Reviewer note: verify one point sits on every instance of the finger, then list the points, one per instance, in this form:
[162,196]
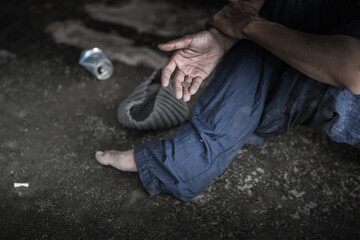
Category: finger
[175,44]
[178,79]
[195,85]
[186,93]
[167,72]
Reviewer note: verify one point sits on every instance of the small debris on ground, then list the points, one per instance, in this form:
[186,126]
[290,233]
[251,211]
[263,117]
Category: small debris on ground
[21,185]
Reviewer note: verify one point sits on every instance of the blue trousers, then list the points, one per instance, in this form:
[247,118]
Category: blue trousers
[254,95]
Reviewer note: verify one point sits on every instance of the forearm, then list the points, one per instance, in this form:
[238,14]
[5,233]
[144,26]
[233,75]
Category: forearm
[332,59]
[224,41]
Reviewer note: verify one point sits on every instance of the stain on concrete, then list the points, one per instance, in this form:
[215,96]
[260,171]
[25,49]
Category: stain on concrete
[163,18]
[117,48]
[6,56]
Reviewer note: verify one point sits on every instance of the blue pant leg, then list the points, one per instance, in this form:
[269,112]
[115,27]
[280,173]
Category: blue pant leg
[305,101]
[226,113]
[299,100]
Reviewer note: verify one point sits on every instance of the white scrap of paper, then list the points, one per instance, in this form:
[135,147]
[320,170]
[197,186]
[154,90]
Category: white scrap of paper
[21,184]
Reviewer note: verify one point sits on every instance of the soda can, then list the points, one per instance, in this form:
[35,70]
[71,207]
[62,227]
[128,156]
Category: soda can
[96,62]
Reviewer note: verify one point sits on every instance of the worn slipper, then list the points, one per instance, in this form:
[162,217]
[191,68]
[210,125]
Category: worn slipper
[152,106]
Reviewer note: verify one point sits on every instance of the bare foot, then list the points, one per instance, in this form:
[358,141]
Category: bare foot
[124,161]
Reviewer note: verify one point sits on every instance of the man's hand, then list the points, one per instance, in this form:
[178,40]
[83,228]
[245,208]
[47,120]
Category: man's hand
[235,16]
[196,57]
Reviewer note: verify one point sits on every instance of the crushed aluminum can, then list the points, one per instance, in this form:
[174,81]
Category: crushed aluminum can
[96,62]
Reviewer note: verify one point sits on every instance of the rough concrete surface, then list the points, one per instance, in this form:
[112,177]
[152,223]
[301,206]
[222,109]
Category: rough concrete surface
[54,116]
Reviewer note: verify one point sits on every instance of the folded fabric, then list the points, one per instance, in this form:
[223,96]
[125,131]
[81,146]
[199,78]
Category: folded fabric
[152,106]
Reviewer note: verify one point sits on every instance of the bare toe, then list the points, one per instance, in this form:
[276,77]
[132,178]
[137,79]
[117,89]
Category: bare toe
[102,158]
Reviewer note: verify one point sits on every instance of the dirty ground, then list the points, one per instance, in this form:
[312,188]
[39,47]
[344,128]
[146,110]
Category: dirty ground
[54,116]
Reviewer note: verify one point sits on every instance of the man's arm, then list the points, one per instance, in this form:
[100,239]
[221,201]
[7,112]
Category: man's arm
[332,59]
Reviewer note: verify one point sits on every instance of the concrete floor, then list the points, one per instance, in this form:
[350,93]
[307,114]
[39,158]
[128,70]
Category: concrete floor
[54,116]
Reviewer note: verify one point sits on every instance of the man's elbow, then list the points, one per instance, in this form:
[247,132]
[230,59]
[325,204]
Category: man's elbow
[353,83]
[351,67]
[355,89]
[347,76]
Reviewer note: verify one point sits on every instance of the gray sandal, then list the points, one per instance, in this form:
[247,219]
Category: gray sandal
[152,106]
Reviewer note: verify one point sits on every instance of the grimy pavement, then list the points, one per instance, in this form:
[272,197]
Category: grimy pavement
[54,116]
